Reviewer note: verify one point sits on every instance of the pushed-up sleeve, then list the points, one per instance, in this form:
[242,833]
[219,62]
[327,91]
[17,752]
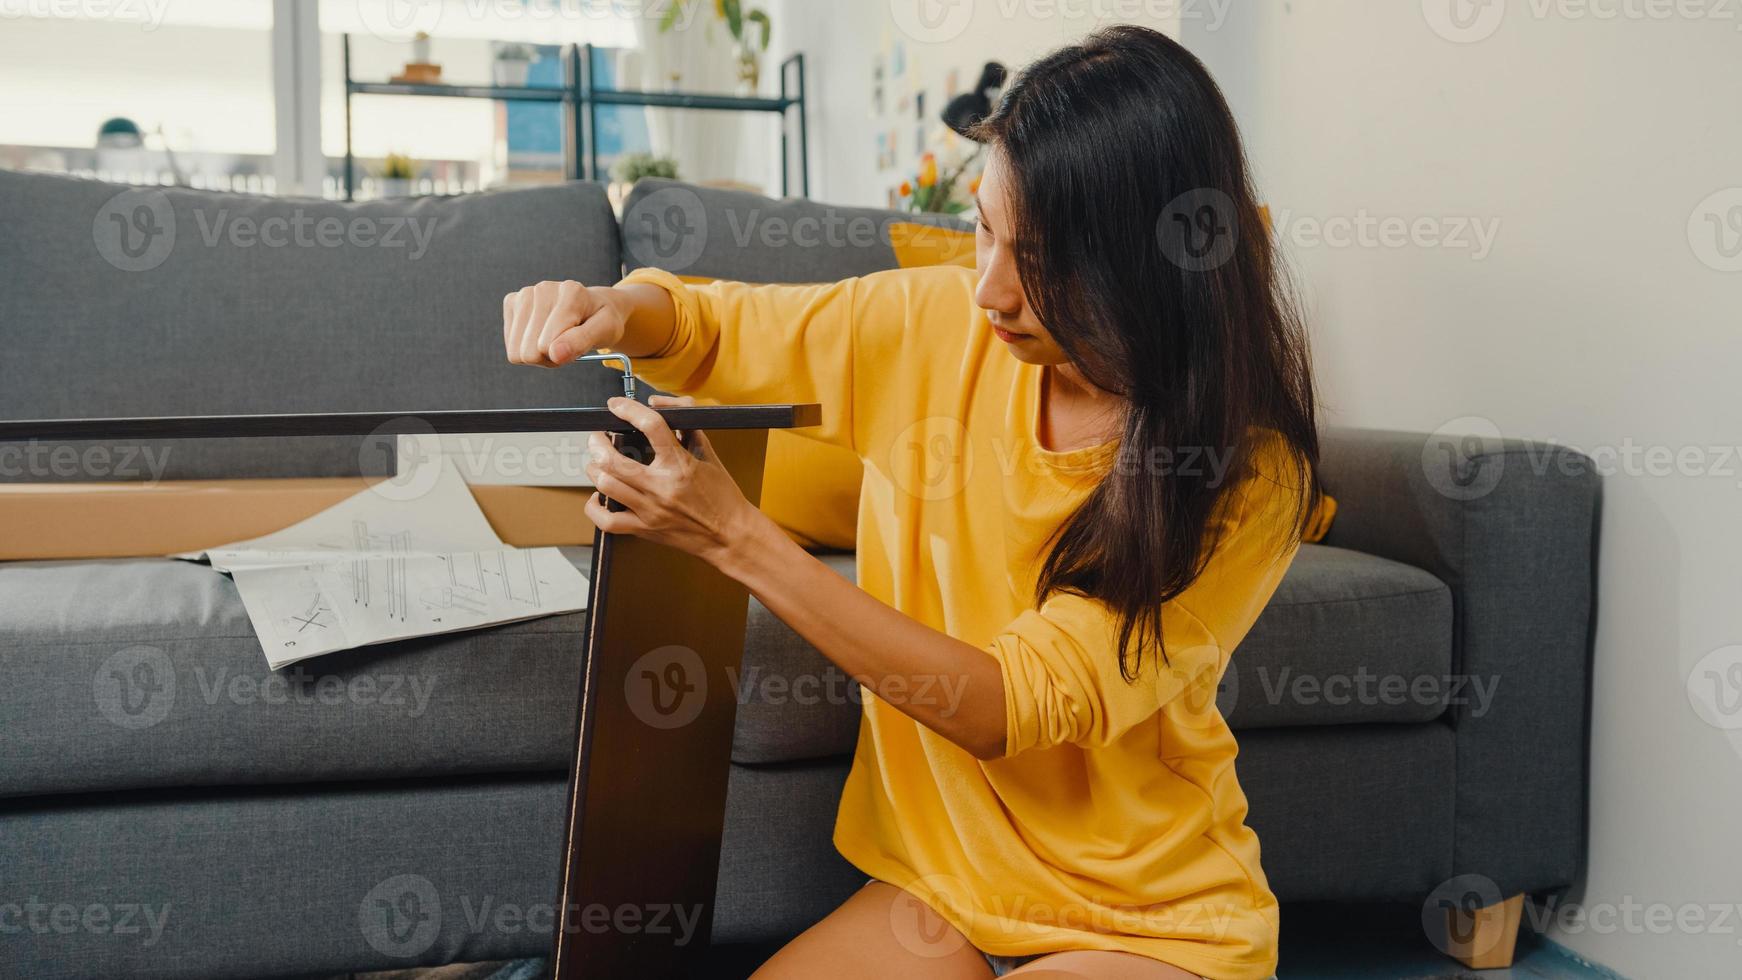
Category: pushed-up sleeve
[738,343]
[869,350]
[1060,663]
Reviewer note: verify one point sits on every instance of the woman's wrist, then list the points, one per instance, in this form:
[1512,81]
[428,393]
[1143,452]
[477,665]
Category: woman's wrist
[647,314]
[749,546]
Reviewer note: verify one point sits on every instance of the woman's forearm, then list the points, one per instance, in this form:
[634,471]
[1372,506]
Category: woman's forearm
[954,688]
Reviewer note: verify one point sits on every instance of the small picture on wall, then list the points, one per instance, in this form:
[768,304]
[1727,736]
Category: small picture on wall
[878,106]
[919,116]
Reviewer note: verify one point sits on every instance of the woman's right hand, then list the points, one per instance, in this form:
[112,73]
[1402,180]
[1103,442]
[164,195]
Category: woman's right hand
[552,323]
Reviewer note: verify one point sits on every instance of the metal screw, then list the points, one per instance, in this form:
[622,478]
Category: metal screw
[628,370]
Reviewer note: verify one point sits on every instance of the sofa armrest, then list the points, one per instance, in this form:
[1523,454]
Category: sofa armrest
[1510,527]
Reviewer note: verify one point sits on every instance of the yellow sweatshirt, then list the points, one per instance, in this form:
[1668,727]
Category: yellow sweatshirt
[1114,821]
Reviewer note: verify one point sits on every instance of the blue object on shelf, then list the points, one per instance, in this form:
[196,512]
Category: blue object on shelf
[536,127]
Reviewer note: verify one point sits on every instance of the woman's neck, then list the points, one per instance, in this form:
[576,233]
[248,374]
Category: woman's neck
[1074,413]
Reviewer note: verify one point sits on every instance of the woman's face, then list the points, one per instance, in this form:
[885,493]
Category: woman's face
[1000,291]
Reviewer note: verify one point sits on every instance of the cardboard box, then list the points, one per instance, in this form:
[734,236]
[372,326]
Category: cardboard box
[127,520]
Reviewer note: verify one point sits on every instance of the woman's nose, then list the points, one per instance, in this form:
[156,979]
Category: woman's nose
[999,289]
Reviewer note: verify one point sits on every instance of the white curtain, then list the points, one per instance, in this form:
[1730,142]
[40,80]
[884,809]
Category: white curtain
[707,145]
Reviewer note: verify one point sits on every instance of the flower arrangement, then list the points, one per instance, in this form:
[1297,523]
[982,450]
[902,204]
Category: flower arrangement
[947,178]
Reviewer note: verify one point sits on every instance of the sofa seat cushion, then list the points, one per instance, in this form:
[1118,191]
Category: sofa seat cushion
[146,673]
[1347,639]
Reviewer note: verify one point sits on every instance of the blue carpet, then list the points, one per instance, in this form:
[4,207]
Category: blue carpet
[1361,942]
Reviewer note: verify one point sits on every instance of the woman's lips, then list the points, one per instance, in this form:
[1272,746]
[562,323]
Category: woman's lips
[1008,337]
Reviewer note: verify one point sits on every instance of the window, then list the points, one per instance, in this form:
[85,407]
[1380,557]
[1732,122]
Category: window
[454,145]
[178,91]
[250,94]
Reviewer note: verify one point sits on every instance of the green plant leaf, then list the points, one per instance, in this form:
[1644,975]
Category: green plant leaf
[669,21]
[734,18]
[634,166]
[761,17]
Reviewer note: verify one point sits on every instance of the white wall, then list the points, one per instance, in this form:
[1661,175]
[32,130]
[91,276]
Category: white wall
[1600,317]
[841,37]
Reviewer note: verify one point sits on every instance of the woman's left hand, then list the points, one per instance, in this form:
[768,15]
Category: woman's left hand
[682,499]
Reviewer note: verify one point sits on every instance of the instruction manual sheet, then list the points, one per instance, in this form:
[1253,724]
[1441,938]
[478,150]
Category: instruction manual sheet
[391,563]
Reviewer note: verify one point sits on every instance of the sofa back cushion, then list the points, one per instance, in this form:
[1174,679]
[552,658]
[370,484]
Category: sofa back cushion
[704,233]
[124,301]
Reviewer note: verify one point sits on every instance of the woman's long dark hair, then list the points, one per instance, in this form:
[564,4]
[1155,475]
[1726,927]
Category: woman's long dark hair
[1142,251]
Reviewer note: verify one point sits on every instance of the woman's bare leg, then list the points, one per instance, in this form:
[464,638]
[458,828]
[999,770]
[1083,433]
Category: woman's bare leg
[1100,965]
[880,932]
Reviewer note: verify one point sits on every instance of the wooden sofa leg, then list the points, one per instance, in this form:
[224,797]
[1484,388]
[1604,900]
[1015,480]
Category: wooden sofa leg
[1485,938]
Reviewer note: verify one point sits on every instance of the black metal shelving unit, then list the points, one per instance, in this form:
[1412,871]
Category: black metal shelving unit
[581,101]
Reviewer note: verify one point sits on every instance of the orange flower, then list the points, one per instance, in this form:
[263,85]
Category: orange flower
[974,186]
[906,189]
[928,170]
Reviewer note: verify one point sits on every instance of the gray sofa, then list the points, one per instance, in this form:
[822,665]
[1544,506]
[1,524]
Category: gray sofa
[170,809]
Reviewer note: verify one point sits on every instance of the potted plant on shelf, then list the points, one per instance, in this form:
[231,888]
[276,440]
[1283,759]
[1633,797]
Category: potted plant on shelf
[750,33]
[513,64]
[397,173]
[632,167]
[421,69]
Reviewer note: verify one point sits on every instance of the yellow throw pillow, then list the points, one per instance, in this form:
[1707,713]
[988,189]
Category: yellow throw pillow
[919,245]
[1319,524]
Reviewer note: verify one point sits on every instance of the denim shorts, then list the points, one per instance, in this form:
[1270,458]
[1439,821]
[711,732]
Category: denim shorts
[1004,964]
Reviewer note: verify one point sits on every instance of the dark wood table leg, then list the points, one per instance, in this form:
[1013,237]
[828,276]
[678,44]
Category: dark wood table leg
[647,794]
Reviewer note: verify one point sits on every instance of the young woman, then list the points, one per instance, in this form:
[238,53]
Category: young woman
[1086,468]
